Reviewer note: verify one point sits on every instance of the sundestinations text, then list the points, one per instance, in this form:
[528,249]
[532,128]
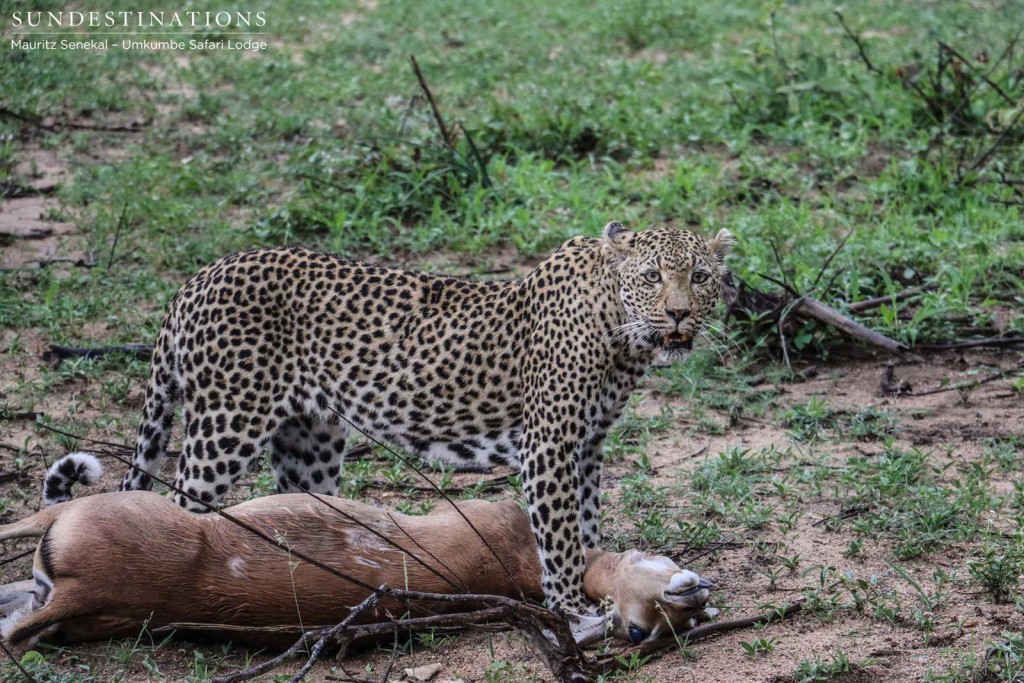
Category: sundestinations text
[111,19]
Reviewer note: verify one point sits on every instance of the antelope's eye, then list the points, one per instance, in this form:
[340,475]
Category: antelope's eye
[636,634]
[700,277]
[652,276]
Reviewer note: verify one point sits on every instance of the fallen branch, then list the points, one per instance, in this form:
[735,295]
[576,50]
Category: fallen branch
[58,353]
[516,613]
[15,558]
[33,234]
[43,263]
[621,660]
[760,307]
[13,474]
[812,308]
[16,190]
[844,514]
[691,456]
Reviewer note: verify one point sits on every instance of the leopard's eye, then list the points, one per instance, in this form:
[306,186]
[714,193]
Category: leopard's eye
[699,277]
[636,634]
[652,276]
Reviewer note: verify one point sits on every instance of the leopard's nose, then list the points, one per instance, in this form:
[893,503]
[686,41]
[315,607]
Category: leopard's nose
[678,315]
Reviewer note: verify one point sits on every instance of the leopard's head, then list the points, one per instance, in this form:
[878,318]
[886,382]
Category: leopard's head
[669,283]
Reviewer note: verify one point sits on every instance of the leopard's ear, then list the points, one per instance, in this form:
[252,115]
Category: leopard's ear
[619,238]
[720,244]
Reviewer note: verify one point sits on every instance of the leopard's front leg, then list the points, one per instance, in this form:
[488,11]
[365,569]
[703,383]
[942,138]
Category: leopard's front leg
[560,392]
[551,483]
[615,392]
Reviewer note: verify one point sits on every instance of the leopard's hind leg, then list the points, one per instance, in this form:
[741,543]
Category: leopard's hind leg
[306,454]
[162,397]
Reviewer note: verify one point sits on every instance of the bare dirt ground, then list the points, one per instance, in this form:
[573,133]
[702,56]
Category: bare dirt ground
[31,228]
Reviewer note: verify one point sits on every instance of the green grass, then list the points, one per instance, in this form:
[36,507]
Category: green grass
[756,116]
[816,420]
[909,500]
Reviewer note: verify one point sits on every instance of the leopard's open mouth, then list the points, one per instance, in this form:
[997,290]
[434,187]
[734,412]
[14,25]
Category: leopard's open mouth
[676,342]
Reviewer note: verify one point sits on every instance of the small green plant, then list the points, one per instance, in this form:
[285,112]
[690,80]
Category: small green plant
[201,669]
[631,434]
[416,507]
[998,571]
[504,671]
[632,663]
[759,646]
[431,639]
[792,563]
[929,603]
[818,669]
[815,420]
[1004,659]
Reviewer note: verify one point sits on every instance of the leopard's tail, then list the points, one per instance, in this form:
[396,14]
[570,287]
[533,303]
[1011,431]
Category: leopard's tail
[74,468]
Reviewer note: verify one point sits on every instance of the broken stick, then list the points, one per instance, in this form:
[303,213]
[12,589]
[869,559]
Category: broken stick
[812,308]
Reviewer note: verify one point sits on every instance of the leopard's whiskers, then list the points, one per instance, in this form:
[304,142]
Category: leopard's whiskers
[717,330]
[712,343]
[626,329]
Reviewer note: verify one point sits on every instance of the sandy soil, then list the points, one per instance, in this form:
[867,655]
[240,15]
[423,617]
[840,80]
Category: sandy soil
[32,230]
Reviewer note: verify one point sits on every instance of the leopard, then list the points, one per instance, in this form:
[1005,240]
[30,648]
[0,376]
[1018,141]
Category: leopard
[286,352]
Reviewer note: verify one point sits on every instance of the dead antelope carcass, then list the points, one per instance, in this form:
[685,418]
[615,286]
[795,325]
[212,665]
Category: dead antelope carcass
[109,564]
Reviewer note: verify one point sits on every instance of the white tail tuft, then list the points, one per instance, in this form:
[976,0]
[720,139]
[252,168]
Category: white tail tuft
[73,468]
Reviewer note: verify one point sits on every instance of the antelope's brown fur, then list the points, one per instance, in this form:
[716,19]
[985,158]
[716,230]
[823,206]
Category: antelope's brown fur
[110,563]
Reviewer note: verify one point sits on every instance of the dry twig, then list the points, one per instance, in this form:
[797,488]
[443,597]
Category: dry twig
[441,127]
[856,39]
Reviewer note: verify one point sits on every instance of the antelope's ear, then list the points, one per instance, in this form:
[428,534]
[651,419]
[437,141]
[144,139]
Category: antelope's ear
[683,588]
[720,244]
[619,238]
